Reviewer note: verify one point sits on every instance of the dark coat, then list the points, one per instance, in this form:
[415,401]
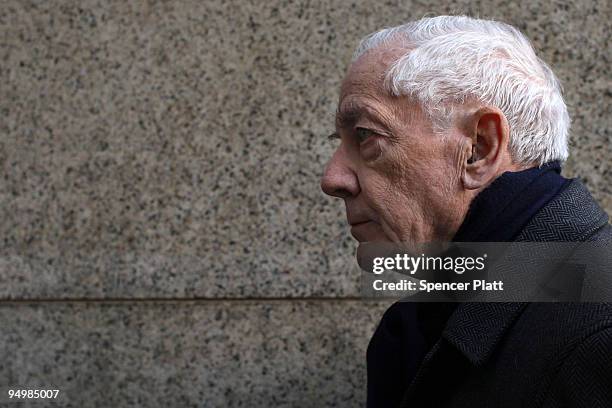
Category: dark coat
[526,354]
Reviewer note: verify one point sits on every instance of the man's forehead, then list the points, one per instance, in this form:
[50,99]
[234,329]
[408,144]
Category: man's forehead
[367,73]
[387,112]
[363,92]
[376,59]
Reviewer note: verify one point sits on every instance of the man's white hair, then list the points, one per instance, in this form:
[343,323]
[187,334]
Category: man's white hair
[453,59]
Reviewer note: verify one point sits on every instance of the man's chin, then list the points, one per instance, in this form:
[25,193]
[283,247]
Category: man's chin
[367,251]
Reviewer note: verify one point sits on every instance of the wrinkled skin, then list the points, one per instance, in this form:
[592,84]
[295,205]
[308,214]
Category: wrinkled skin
[400,181]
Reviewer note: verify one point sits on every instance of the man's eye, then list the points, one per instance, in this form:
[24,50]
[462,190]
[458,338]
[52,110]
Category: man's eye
[362,134]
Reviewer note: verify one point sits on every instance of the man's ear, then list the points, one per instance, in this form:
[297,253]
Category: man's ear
[487,150]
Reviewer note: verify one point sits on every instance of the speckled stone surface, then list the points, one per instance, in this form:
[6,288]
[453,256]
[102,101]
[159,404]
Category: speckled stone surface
[184,354]
[174,149]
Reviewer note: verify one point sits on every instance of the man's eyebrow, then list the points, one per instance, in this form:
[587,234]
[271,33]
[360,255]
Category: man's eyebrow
[348,113]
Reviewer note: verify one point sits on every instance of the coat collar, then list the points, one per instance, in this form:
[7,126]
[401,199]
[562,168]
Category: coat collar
[572,216]
[475,329]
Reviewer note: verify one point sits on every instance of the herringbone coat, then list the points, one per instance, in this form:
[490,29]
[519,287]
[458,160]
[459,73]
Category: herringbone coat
[529,355]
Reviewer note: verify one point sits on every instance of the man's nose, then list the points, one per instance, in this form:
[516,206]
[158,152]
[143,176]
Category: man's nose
[339,180]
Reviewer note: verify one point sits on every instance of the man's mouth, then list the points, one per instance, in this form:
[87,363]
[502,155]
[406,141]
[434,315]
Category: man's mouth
[362,230]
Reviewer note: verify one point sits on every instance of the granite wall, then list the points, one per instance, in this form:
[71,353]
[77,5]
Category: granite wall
[164,239]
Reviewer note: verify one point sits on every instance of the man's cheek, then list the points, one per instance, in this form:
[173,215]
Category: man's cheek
[382,196]
[399,167]
[373,187]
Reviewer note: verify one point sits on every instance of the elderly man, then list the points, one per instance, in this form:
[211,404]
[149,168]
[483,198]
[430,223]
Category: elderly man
[452,129]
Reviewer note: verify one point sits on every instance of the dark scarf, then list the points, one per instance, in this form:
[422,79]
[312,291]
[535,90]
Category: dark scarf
[408,330]
[501,210]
